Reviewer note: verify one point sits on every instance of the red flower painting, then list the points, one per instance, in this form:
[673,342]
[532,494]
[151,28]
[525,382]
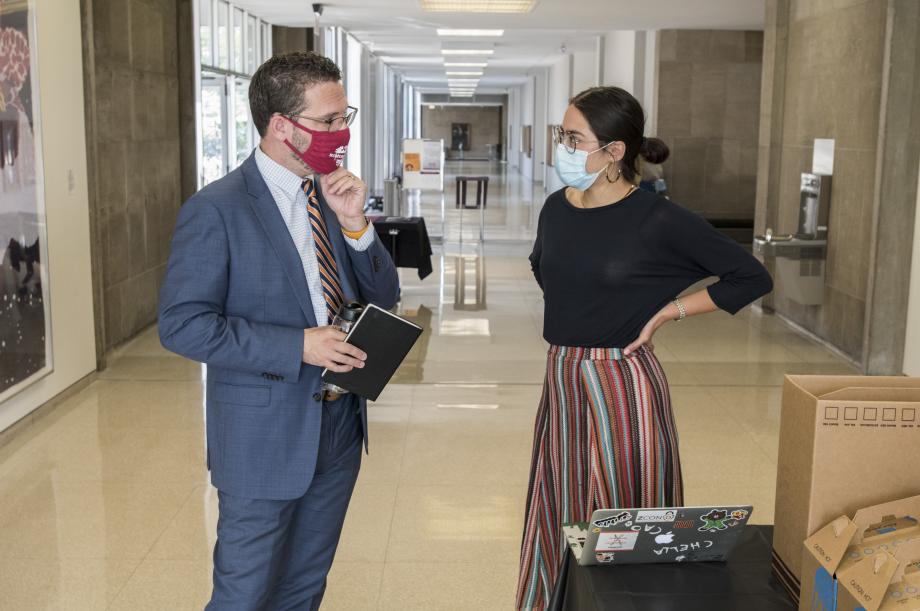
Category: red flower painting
[14,65]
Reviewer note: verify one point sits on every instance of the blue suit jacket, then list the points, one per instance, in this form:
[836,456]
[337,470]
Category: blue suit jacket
[235,297]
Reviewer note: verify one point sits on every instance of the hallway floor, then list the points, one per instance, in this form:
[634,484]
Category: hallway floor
[106,502]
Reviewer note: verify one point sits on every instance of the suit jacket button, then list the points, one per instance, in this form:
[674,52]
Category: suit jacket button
[317,397]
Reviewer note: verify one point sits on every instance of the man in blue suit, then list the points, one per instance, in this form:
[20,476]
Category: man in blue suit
[261,260]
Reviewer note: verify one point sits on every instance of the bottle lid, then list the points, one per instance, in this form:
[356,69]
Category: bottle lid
[351,311]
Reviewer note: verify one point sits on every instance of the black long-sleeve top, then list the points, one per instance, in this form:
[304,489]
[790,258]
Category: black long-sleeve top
[605,272]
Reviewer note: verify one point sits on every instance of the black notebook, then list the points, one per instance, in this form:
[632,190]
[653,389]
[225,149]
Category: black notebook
[386,339]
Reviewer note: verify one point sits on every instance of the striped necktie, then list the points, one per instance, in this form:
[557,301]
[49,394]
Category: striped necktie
[328,271]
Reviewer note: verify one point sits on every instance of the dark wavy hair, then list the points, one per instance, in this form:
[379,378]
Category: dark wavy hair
[278,84]
[615,115]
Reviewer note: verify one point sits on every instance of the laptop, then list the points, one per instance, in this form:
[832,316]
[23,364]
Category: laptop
[658,535]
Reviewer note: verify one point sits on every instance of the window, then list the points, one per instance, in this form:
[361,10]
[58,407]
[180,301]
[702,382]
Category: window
[232,45]
[223,35]
[353,58]
[206,33]
[238,55]
[253,44]
[245,133]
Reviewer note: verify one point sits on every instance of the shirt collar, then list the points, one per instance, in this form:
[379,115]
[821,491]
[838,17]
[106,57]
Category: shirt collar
[278,175]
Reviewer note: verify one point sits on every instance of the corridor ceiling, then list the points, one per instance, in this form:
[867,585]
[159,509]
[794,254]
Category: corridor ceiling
[406,38]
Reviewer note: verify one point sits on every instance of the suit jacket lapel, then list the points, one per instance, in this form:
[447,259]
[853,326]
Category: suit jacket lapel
[266,210]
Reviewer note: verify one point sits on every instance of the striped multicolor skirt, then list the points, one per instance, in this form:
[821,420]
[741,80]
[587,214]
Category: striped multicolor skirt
[604,438]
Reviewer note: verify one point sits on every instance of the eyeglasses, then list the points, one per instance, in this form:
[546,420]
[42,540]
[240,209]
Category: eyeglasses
[568,139]
[335,123]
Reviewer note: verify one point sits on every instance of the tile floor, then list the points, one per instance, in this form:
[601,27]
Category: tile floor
[106,502]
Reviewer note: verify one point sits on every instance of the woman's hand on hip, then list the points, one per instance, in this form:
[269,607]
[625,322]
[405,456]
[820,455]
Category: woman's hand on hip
[648,331]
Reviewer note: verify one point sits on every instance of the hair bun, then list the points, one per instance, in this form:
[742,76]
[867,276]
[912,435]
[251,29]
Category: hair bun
[654,150]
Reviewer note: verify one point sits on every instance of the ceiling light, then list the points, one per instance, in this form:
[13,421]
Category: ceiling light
[452,32]
[478,6]
[467,51]
[464,73]
[465,64]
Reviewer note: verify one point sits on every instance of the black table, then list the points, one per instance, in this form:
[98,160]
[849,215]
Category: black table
[407,240]
[743,583]
[482,191]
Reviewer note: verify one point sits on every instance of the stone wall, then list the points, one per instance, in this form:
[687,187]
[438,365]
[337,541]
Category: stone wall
[485,126]
[851,72]
[135,153]
[708,114]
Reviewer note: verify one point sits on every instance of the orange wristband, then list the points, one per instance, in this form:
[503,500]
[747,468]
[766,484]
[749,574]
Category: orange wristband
[357,235]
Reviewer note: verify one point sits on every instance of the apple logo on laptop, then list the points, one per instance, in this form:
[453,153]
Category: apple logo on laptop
[668,537]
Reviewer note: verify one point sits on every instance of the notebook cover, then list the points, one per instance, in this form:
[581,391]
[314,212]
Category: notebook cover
[387,339]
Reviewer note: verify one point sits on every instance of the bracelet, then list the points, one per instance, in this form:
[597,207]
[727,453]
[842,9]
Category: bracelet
[680,308]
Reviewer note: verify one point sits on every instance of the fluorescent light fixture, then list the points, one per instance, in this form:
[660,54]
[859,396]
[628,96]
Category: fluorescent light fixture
[478,6]
[455,32]
[472,73]
[467,51]
[461,95]
[411,59]
[465,64]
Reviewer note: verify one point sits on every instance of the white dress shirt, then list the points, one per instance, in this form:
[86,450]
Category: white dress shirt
[285,187]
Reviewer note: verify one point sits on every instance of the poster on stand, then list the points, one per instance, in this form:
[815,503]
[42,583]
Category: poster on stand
[423,164]
[25,317]
[431,156]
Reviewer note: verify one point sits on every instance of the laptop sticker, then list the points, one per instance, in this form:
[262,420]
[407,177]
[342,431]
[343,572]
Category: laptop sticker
[656,516]
[616,542]
[614,520]
[604,557]
[719,519]
[684,547]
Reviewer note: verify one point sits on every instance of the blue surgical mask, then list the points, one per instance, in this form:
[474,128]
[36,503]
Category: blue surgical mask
[571,167]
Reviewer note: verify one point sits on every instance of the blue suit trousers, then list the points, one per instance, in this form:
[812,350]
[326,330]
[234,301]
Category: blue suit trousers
[274,555]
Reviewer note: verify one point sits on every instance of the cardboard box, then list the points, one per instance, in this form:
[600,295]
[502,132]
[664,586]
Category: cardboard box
[845,443]
[852,565]
[904,593]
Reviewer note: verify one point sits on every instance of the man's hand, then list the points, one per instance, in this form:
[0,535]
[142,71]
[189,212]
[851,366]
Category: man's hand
[326,347]
[346,194]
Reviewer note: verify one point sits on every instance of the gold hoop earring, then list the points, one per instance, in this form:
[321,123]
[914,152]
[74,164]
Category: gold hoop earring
[607,174]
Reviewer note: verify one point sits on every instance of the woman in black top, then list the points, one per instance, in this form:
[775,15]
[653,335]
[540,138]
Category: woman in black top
[611,260]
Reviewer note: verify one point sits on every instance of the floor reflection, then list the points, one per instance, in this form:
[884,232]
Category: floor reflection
[107,503]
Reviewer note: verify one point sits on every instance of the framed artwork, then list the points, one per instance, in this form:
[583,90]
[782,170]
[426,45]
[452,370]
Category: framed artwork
[25,316]
[459,136]
[527,140]
[550,146]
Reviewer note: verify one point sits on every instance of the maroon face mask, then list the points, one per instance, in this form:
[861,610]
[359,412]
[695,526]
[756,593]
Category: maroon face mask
[326,151]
